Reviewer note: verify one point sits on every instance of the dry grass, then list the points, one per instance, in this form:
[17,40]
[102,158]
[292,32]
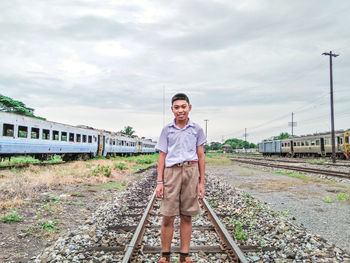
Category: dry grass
[217,159]
[18,185]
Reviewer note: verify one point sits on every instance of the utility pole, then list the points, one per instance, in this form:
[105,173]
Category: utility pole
[292,124]
[163,106]
[245,138]
[206,128]
[330,54]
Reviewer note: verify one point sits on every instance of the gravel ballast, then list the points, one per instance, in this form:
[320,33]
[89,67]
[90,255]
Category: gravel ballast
[302,200]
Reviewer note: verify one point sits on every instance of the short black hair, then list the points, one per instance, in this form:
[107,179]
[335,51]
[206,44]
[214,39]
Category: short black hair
[180,96]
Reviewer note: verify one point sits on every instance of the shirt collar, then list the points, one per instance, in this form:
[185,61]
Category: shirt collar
[189,123]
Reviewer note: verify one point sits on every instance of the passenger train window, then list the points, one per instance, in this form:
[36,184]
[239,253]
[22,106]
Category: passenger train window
[302,144]
[84,138]
[8,130]
[71,137]
[34,133]
[90,139]
[55,135]
[95,139]
[306,143]
[298,143]
[64,136]
[341,140]
[295,144]
[317,142]
[46,134]
[22,132]
[78,138]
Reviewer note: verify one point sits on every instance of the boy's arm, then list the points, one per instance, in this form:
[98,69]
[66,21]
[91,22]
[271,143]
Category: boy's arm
[201,165]
[160,178]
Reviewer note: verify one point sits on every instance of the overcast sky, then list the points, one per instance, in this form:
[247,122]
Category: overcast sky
[244,64]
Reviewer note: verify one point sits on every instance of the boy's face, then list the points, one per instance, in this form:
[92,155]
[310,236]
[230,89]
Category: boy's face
[181,109]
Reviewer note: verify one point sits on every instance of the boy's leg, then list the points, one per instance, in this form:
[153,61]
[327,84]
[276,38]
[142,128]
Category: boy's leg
[185,233]
[167,232]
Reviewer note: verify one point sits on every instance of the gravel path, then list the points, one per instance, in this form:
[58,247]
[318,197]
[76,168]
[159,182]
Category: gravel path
[302,199]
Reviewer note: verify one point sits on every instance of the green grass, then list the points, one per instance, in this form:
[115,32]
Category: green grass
[343,197]
[102,169]
[43,229]
[120,166]
[23,160]
[294,175]
[317,161]
[11,217]
[111,186]
[218,159]
[19,160]
[328,200]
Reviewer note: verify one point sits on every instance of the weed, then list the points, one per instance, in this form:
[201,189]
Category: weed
[11,217]
[342,196]
[55,159]
[317,161]
[111,186]
[328,200]
[211,203]
[239,234]
[102,169]
[43,228]
[120,166]
[294,175]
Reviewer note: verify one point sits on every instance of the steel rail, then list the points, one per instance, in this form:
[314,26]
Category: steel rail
[230,245]
[140,230]
[302,169]
[294,161]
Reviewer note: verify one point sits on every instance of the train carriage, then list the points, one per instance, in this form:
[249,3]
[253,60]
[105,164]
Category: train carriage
[21,135]
[316,145]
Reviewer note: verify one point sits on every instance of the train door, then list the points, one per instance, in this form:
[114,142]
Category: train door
[139,143]
[346,145]
[101,144]
[322,147]
[98,145]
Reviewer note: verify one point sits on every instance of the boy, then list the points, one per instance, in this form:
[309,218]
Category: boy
[180,181]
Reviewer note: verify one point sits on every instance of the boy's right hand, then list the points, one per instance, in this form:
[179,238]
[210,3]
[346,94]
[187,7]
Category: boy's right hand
[160,190]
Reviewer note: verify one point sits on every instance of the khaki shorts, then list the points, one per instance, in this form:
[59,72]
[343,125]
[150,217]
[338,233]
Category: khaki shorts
[181,191]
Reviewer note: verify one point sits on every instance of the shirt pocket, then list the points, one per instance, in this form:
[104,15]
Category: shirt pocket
[190,142]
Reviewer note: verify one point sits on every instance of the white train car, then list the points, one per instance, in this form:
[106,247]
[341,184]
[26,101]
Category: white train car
[21,135]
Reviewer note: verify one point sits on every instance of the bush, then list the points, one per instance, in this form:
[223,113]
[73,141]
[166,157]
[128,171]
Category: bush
[120,166]
[11,217]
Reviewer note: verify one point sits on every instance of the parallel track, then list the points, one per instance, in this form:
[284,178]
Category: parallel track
[300,160]
[295,168]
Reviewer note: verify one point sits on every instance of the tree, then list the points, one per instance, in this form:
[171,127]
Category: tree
[215,146]
[129,131]
[8,104]
[283,135]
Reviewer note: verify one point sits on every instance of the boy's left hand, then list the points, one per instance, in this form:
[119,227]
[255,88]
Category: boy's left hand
[200,191]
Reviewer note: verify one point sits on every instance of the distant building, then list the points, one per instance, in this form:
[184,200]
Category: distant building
[226,148]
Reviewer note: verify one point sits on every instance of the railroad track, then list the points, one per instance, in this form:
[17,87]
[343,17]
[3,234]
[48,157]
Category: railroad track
[137,247]
[295,168]
[286,160]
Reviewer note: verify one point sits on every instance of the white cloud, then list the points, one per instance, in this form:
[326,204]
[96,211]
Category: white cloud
[243,63]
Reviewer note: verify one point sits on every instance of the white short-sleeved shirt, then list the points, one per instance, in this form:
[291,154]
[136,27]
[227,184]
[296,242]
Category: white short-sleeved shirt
[180,145]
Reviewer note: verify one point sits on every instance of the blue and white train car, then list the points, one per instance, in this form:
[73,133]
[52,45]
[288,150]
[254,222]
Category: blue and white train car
[118,144]
[20,135]
[270,147]
[147,146]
